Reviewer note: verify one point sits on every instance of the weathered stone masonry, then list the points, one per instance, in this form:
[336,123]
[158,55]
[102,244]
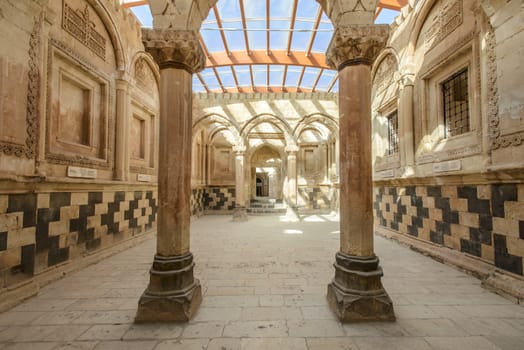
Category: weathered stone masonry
[486,221]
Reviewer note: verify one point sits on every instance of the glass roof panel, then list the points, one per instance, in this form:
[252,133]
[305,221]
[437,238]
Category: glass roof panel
[260,74]
[143,13]
[293,73]
[228,9]
[324,81]
[386,16]
[275,75]
[256,34]
[301,35]
[243,75]
[278,37]
[309,78]
[197,85]
[226,76]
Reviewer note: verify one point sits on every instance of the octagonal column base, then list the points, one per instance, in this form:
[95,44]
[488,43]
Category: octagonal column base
[173,294]
[356,293]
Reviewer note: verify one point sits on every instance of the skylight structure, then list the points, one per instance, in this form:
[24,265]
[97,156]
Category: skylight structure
[266,45]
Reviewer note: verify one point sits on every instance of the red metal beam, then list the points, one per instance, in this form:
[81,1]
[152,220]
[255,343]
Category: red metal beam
[317,79]
[244,25]
[199,76]
[284,78]
[218,59]
[314,32]
[292,27]
[300,79]
[220,29]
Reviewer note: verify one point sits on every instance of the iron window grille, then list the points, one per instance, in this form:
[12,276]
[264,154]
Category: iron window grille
[392,133]
[455,104]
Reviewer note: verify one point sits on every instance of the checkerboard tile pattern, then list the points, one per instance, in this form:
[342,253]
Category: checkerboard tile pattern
[197,201]
[486,221]
[40,230]
[315,197]
[219,198]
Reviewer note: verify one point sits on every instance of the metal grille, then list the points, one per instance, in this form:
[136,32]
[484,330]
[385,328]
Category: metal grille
[456,106]
[393,133]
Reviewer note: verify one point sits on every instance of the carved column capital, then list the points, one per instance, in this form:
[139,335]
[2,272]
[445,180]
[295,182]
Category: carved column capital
[292,149]
[175,49]
[356,44]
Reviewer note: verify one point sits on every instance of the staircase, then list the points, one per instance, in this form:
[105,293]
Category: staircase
[266,206]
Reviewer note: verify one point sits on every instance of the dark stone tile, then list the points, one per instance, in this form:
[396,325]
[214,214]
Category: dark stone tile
[25,203]
[417,221]
[521,229]
[3,241]
[485,222]
[394,225]
[509,262]
[93,244]
[56,256]
[59,199]
[423,212]
[149,195]
[443,228]
[28,259]
[442,203]
[469,192]
[383,222]
[436,237]
[397,217]
[470,247]
[393,191]
[387,207]
[480,235]
[402,209]
[120,196]
[413,230]
[416,201]
[94,198]
[143,211]
[434,191]
[453,217]
[480,206]
[410,190]
[501,194]
[137,195]
[499,242]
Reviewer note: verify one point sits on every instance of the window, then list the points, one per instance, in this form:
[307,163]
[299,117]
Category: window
[455,104]
[392,133]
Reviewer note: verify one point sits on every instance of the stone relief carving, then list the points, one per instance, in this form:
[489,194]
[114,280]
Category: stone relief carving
[33,99]
[78,24]
[107,152]
[497,139]
[145,79]
[448,18]
[359,44]
[175,49]
[385,73]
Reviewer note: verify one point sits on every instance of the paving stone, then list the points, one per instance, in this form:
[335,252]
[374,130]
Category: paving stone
[391,343]
[15,318]
[224,344]
[125,345]
[317,313]
[104,332]
[153,331]
[315,328]
[185,344]
[274,344]
[507,343]
[76,345]
[462,343]
[203,330]
[31,346]
[218,314]
[331,344]
[259,329]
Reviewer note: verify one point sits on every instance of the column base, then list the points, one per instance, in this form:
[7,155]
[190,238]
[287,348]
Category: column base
[240,214]
[173,294]
[356,293]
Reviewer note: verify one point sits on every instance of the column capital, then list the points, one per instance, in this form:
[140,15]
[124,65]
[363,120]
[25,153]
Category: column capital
[239,150]
[356,44]
[175,49]
[292,149]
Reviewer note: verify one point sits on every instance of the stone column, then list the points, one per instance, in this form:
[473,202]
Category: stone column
[405,114]
[173,294]
[240,213]
[292,174]
[122,131]
[356,293]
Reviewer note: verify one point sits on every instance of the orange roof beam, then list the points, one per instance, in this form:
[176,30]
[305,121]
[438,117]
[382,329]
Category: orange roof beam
[300,78]
[332,83]
[317,79]
[219,80]
[199,76]
[235,78]
[134,3]
[252,78]
[395,5]
[284,78]
[218,59]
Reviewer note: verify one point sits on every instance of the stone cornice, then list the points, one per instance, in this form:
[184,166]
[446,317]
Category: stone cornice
[175,49]
[357,44]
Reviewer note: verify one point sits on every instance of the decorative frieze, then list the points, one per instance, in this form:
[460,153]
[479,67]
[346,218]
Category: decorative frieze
[448,18]
[357,44]
[78,24]
[175,49]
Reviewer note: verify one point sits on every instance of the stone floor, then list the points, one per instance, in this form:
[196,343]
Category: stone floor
[264,288]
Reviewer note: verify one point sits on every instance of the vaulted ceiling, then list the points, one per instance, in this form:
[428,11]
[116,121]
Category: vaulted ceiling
[266,45]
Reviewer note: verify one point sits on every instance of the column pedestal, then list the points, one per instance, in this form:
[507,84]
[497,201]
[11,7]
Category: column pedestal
[356,293]
[173,293]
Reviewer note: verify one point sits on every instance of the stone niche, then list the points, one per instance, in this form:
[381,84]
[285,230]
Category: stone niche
[78,111]
[142,139]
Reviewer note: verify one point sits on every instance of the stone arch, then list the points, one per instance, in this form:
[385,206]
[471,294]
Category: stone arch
[222,121]
[307,121]
[109,24]
[381,57]
[278,122]
[148,59]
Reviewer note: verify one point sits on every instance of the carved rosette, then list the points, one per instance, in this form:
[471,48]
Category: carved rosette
[175,49]
[358,44]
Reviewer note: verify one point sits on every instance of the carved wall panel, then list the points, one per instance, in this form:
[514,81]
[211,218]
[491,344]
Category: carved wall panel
[445,17]
[78,129]
[145,78]
[142,139]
